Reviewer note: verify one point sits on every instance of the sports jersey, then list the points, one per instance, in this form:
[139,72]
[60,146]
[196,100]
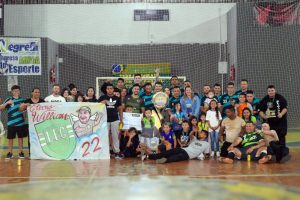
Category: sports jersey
[251,139]
[225,102]
[15,117]
[147,100]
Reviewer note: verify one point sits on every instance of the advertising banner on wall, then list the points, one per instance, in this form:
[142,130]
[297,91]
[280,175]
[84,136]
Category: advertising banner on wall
[148,70]
[68,131]
[20,56]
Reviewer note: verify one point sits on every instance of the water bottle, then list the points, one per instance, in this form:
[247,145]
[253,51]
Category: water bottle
[248,157]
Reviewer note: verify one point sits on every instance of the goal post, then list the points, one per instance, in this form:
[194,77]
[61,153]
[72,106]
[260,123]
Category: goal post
[129,81]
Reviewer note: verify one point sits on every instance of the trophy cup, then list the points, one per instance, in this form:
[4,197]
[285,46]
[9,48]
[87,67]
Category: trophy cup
[270,113]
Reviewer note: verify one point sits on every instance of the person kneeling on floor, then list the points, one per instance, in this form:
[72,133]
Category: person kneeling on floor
[196,147]
[250,142]
[129,143]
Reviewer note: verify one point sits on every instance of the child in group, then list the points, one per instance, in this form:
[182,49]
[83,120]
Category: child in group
[210,97]
[177,118]
[247,116]
[148,120]
[150,134]
[203,124]
[197,147]
[117,92]
[130,143]
[80,98]
[242,104]
[122,133]
[194,125]
[183,137]
[168,137]
[214,118]
[129,109]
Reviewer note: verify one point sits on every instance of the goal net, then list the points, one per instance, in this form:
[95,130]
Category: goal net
[82,39]
[129,81]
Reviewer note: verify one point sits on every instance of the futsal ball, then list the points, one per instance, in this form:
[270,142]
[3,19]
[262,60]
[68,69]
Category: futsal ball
[116,69]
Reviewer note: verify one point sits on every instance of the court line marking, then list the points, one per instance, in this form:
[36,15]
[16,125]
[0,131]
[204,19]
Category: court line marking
[201,176]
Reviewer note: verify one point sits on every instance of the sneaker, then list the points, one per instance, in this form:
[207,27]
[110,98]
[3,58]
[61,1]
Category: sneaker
[285,158]
[119,156]
[218,154]
[201,157]
[9,155]
[21,155]
[161,161]
[143,155]
[212,154]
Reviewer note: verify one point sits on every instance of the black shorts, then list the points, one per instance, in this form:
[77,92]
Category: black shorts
[20,131]
[245,155]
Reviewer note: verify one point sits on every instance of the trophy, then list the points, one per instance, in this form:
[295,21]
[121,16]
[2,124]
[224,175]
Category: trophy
[270,113]
[160,101]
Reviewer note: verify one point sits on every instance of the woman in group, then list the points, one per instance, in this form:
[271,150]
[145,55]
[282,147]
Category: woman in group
[190,103]
[90,95]
[73,91]
[124,93]
[65,93]
[35,98]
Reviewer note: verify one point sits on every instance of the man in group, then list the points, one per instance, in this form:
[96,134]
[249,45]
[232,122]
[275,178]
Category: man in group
[114,116]
[120,83]
[175,83]
[135,101]
[137,80]
[244,87]
[228,99]
[218,91]
[147,95]
[254,103]
[16,122]
[250,142]
[175,98]
[55,96]
[205,90]
[273,109]
[233,126]
[158,87]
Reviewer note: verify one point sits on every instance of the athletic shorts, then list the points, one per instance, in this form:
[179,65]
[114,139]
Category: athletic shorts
[20,131]
[245,155]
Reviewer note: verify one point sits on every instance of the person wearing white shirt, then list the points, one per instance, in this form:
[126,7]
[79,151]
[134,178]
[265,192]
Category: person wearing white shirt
[55,96]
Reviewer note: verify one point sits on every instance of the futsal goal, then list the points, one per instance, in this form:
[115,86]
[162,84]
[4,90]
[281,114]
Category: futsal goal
[129,81]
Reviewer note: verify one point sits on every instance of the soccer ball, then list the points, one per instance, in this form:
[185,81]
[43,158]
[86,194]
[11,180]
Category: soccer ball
[116,69]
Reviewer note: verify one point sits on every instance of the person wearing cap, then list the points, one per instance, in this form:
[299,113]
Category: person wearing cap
[86,121]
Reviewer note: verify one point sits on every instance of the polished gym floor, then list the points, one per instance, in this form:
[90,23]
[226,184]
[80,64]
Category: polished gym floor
[134,179]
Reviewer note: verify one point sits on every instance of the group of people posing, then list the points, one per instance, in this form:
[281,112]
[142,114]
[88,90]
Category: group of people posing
[190,126]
